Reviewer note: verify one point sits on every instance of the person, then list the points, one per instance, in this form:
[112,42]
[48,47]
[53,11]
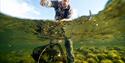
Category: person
[62,8]
[62,11]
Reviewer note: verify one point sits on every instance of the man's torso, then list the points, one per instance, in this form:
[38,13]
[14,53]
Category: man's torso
[61,11]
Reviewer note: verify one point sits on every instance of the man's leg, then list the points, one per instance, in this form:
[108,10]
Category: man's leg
[68,46]
[69,50]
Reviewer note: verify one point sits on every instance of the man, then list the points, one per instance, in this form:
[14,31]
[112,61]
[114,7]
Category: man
[62,8]
[63,11]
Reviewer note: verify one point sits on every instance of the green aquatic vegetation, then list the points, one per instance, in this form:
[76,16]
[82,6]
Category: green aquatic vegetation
[91,60]
[106,61]
[109,56]
[118,61]
[90,55]
[15,58]
[113,54]
[101,56]
[100,40]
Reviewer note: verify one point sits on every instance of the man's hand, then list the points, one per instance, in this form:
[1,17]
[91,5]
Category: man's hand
[42,2]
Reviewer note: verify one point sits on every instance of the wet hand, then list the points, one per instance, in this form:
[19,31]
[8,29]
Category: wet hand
[42,2]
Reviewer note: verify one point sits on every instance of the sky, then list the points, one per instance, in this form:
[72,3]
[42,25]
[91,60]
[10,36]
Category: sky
[31,9]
